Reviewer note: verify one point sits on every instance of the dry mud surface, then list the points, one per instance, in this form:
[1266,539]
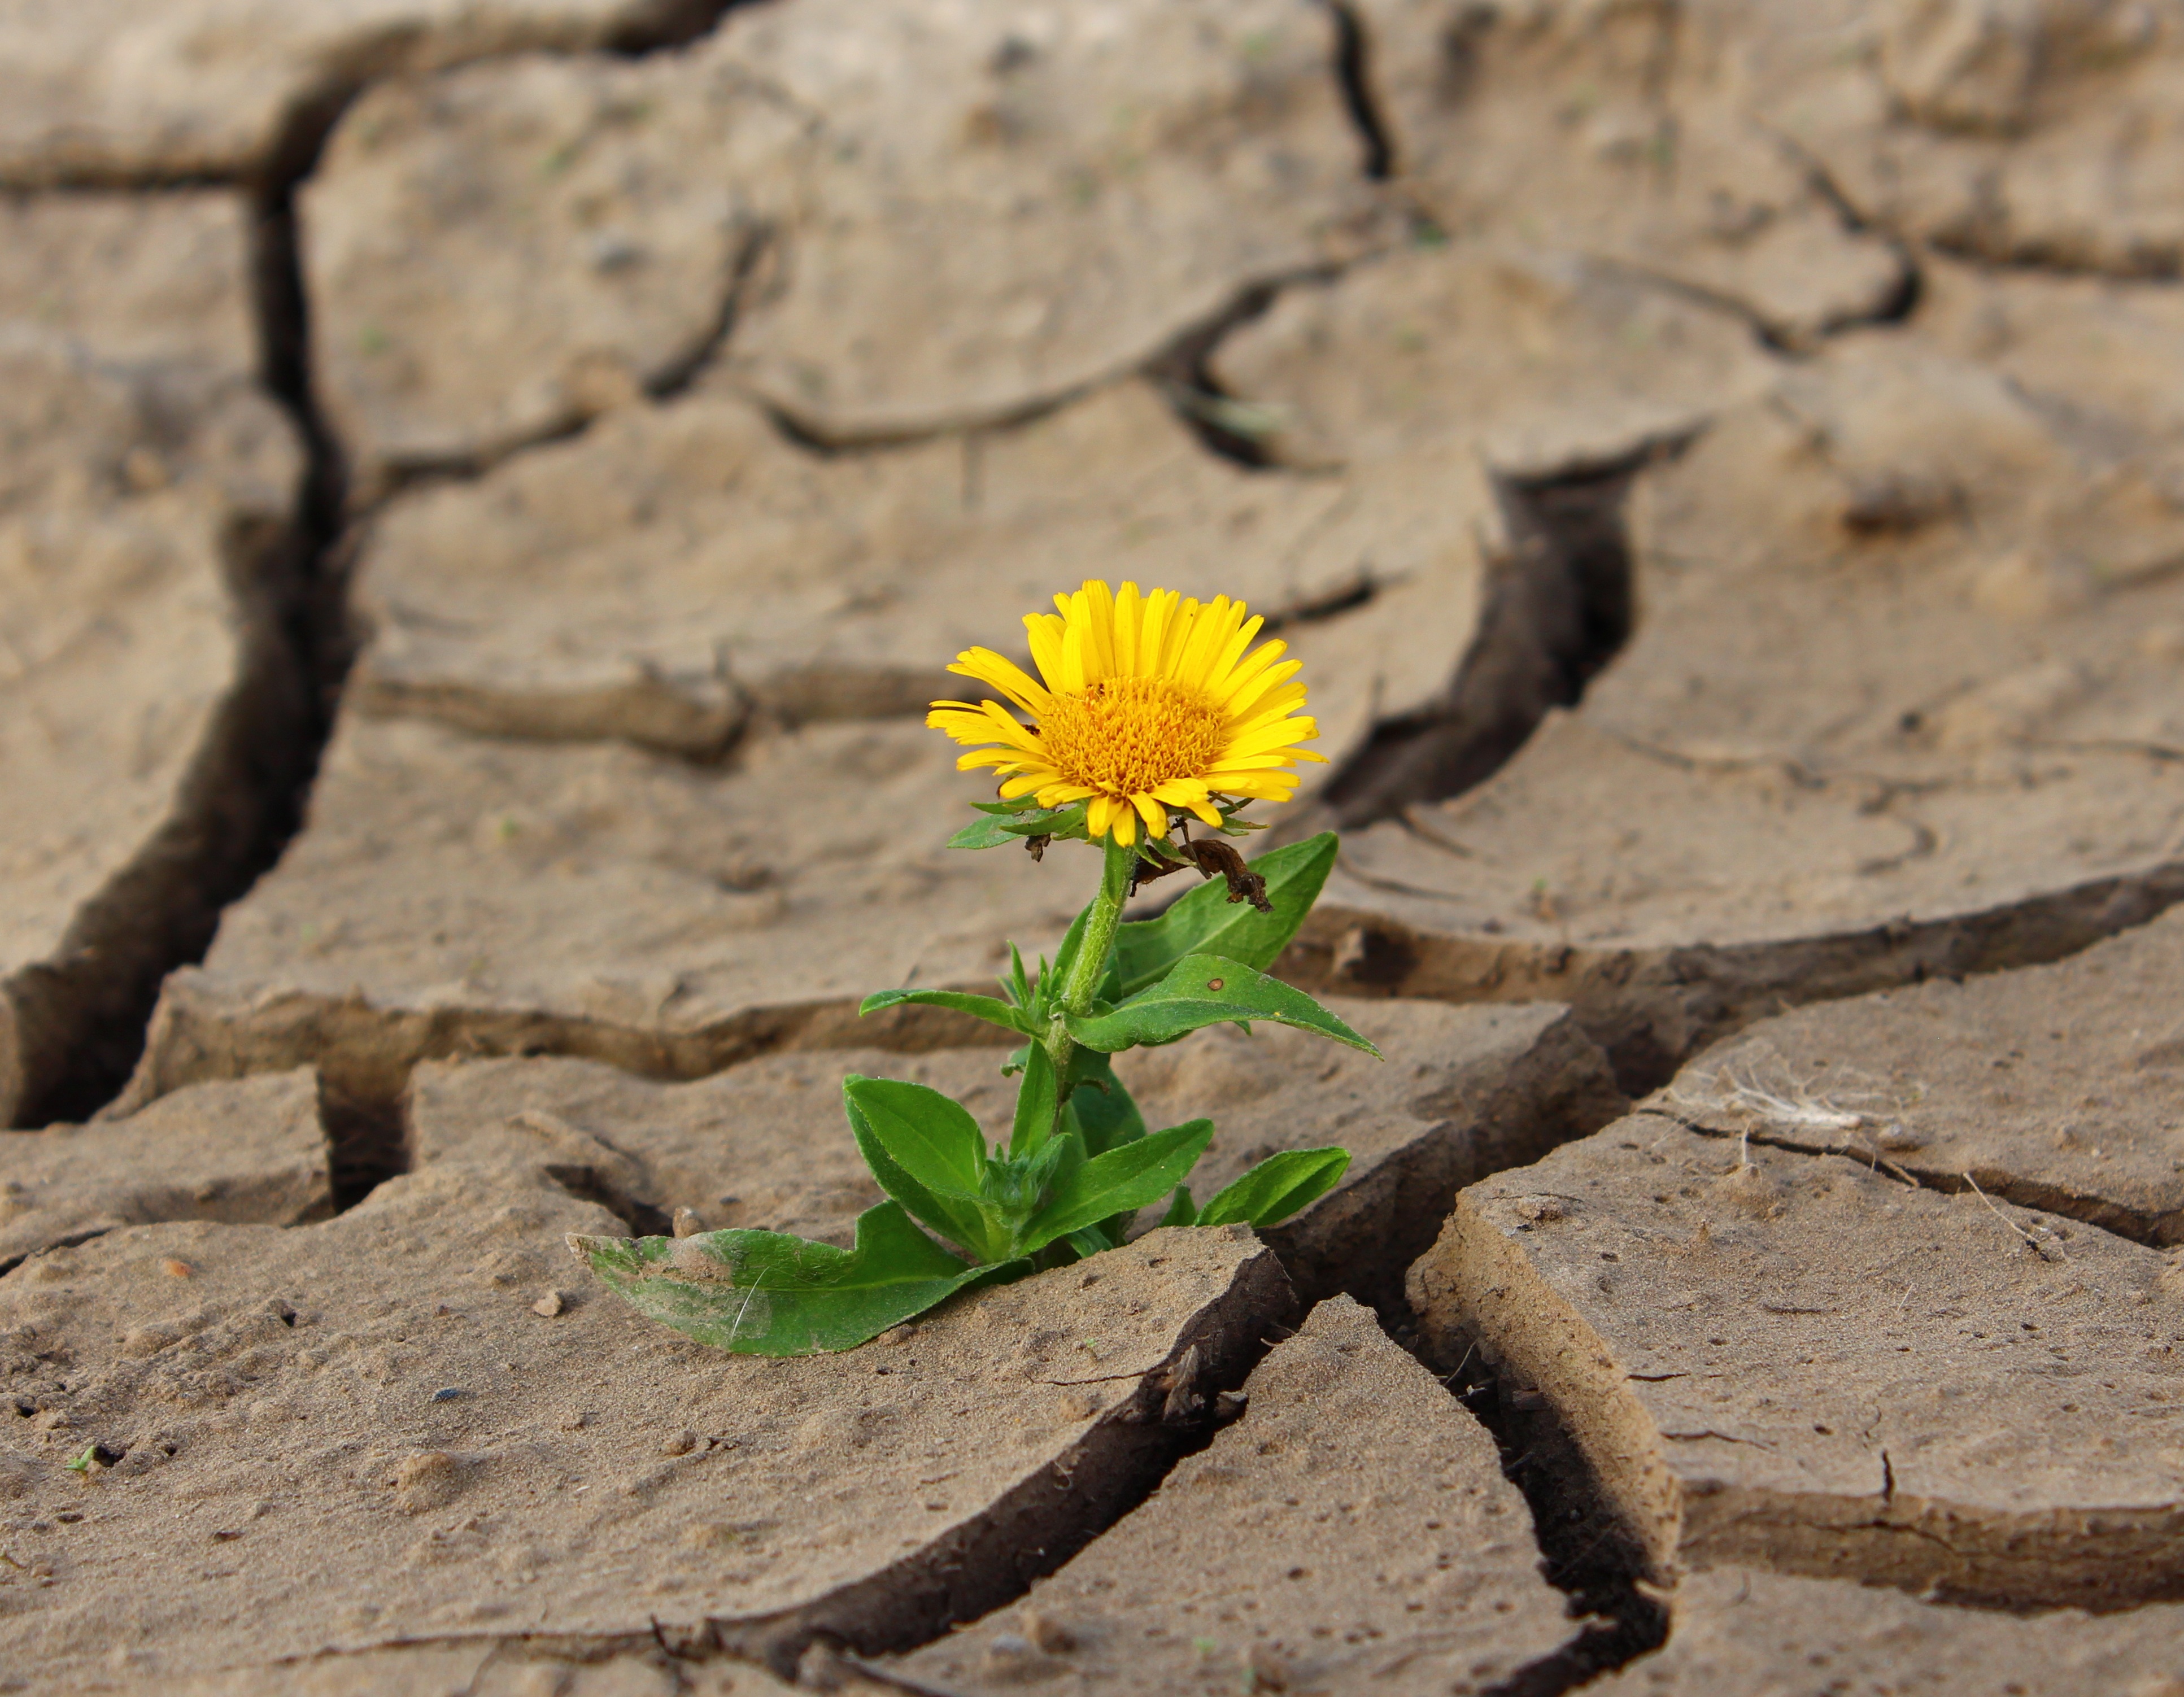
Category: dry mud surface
[486,492]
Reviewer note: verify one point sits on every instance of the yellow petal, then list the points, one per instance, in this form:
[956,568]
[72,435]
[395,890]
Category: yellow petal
[1276,691]
[1280,734]
[1270,689]
[1154,814]
[1224,663]
[1046,630]
[1260,786]
[1076,661]
[1078,619]
[1003,674]
[1227,689]
[1181,621]
[988,722]
[1160,621]
[1098,630]
[1206,637]
[964,724]
[1298,727]
[1129,626]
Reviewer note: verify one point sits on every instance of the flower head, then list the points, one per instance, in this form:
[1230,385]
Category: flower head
[1148,703]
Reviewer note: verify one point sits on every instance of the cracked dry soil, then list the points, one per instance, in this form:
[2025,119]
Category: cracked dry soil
[485,495]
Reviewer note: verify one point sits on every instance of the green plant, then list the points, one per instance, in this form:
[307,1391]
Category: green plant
[1079,1163]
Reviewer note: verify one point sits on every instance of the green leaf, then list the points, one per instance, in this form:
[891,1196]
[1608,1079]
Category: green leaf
[1092,1241]
[1231,826]
[1182,1211]
[1206,922]
[1055,1163]
[985,832]
[1120,1181]
[1104,1110]
[990,1009]
[928,1153]
[1207,990]
[1060,821]
[1039,1104]
[1004,823]
[1052,978]
[1277,1187]
[767,1294]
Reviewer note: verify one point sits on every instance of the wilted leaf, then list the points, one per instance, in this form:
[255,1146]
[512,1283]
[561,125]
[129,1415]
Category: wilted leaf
[768,1294]
[1206,922]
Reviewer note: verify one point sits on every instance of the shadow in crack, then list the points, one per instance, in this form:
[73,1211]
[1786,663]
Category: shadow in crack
[1586,1552]
[367,1143]
[1558,610]
[1353,71]
[261,761]
[239,803]
[254,778]
[1226,428]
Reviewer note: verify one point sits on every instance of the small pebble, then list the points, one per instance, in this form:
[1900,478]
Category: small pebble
[686,1222]
[1011,1654]
[821,1668]
[447,1393]
[681,1444]
[1269,1671]
[175,1269]
[144,471]
[1047,1632]
[549,1305]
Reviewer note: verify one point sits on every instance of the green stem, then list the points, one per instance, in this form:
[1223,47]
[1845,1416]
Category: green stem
[1091,965]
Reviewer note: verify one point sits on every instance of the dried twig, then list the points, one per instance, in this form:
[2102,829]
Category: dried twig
[1212,861]
[2037,1248]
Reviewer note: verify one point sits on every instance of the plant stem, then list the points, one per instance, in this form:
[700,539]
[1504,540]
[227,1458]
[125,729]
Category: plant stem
[1091,965]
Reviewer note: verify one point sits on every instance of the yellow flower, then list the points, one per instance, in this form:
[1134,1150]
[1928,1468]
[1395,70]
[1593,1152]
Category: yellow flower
[1149,702]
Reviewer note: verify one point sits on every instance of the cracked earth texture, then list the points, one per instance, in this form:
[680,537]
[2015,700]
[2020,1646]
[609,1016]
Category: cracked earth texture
[486,492]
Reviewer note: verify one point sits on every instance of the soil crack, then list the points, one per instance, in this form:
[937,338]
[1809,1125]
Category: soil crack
[1229,428]
[2136,1226]
[256,774]
[1586,1552]
[1556,613]
[1353,70]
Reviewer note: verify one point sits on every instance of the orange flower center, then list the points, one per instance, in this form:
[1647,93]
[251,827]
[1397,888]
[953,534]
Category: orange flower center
[1128,736]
